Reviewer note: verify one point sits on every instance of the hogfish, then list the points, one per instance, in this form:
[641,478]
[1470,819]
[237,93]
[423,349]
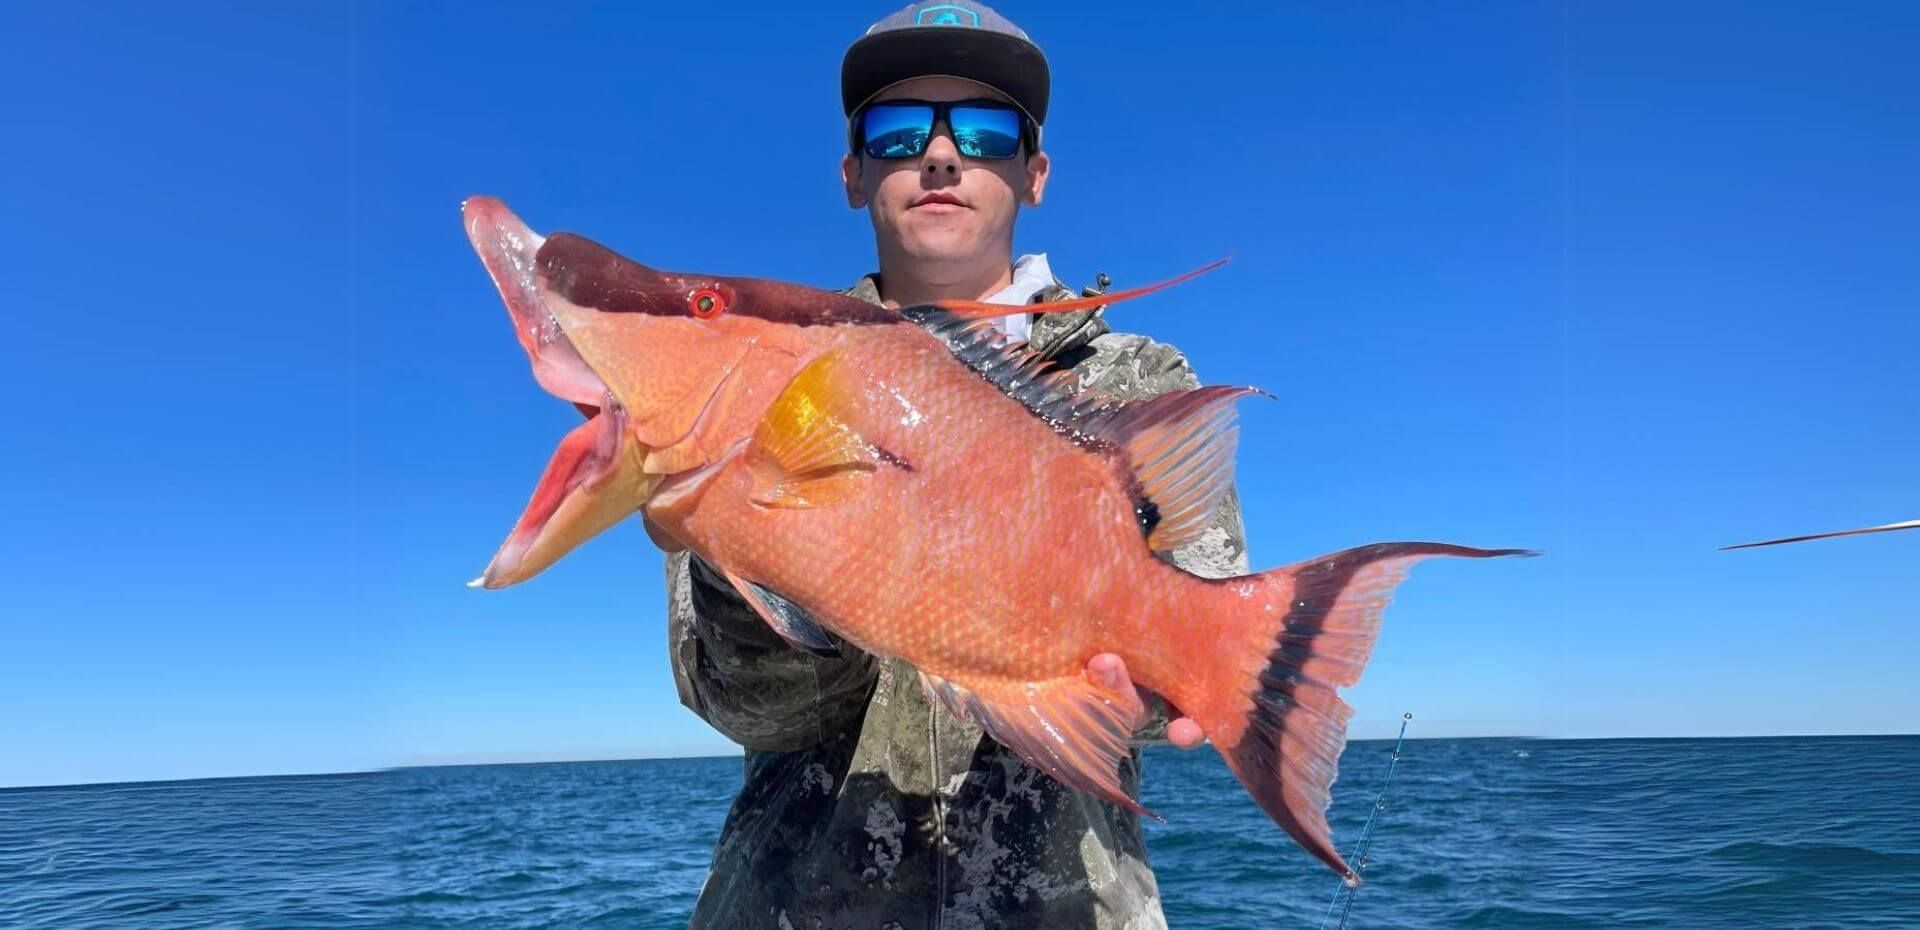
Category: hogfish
[914,483]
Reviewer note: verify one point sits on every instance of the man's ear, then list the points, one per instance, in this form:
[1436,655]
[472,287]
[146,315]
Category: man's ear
[850,176]
[1038,165]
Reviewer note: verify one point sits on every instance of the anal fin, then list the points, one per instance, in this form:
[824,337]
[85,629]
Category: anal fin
[788,619]
[1072,728]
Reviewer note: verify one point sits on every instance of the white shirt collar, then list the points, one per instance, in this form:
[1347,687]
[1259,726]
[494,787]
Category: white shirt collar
[1031,275]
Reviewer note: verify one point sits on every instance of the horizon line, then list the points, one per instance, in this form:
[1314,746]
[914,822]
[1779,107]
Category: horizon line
[349,773]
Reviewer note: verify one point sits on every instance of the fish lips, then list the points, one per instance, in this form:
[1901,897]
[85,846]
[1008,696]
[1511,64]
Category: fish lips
[594,480]
[510,251]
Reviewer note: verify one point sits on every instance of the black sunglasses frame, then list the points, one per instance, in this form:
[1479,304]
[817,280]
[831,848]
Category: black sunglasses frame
[942,113]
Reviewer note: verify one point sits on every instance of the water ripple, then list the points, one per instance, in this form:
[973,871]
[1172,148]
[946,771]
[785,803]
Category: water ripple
[1478,833]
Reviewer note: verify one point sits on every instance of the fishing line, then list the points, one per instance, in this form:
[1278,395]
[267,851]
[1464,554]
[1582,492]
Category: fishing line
[1358,856]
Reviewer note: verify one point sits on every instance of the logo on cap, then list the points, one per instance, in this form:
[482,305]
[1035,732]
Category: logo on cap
[946,14]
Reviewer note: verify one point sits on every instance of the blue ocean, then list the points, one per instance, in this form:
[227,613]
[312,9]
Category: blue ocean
[1734,833]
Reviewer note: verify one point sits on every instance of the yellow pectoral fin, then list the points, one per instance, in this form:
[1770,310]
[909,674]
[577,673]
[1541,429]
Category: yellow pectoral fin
[794,492]
[805,453]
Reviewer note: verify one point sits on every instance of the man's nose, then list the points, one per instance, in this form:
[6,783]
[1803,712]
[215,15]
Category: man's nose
[942,158]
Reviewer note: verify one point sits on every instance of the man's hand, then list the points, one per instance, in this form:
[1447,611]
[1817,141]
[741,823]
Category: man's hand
[1111,671]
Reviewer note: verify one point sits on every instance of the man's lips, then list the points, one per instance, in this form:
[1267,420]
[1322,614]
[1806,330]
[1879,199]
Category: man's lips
[937,198]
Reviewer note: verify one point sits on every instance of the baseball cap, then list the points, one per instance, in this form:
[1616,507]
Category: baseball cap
[951,38]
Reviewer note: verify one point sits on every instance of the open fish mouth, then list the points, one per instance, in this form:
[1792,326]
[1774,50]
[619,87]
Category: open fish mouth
[511,252]
[595,478]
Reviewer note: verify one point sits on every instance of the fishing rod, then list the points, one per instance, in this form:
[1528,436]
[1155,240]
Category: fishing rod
[1909,525]
[1350,887]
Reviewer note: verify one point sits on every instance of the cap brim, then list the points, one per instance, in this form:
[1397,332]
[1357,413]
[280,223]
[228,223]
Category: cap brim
[1006,63]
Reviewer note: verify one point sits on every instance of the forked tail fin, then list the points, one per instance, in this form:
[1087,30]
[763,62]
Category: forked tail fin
[1290,637]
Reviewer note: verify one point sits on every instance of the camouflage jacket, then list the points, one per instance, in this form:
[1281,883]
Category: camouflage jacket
[867,807]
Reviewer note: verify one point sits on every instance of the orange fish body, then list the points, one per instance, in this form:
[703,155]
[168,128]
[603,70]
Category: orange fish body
[931,558]
[920,487]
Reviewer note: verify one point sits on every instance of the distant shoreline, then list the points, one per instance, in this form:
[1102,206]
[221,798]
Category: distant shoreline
[180,782]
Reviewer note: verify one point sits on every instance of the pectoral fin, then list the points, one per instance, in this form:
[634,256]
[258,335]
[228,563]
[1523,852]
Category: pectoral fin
[805,453]
[1072,728]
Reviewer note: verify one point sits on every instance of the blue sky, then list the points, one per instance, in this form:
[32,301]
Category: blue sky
[1625,282]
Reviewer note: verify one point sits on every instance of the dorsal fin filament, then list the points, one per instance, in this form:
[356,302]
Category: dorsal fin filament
[974,309]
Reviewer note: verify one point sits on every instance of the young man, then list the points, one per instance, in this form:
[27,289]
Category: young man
[865,805]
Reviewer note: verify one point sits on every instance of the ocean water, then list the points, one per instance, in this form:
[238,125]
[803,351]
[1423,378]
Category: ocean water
[1791,832]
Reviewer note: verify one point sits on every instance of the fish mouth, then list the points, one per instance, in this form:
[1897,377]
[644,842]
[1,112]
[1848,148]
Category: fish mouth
[594,480]
[596,477]
[510,251]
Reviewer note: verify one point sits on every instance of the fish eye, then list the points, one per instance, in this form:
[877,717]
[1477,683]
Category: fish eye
[707,303]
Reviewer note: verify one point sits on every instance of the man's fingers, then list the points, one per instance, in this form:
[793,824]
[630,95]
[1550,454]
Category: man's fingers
[1111,671]
[1185,734]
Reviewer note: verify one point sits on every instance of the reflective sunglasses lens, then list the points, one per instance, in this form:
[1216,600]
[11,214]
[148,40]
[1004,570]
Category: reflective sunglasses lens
[897,131]
[986,132]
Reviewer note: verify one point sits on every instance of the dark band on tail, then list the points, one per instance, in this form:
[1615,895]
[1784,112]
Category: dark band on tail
[1289,753]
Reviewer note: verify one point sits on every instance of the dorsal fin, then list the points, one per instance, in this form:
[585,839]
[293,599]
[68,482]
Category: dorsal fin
[1181,448]
[1180,445]
[974,309]
[1051,392]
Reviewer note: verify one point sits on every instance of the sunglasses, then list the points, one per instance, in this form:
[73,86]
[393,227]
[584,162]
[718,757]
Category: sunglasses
[902,128]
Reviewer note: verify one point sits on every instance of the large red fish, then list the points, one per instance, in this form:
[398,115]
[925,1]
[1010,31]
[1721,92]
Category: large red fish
[920,486]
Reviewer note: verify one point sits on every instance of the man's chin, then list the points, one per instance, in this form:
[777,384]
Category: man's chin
[941,244]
